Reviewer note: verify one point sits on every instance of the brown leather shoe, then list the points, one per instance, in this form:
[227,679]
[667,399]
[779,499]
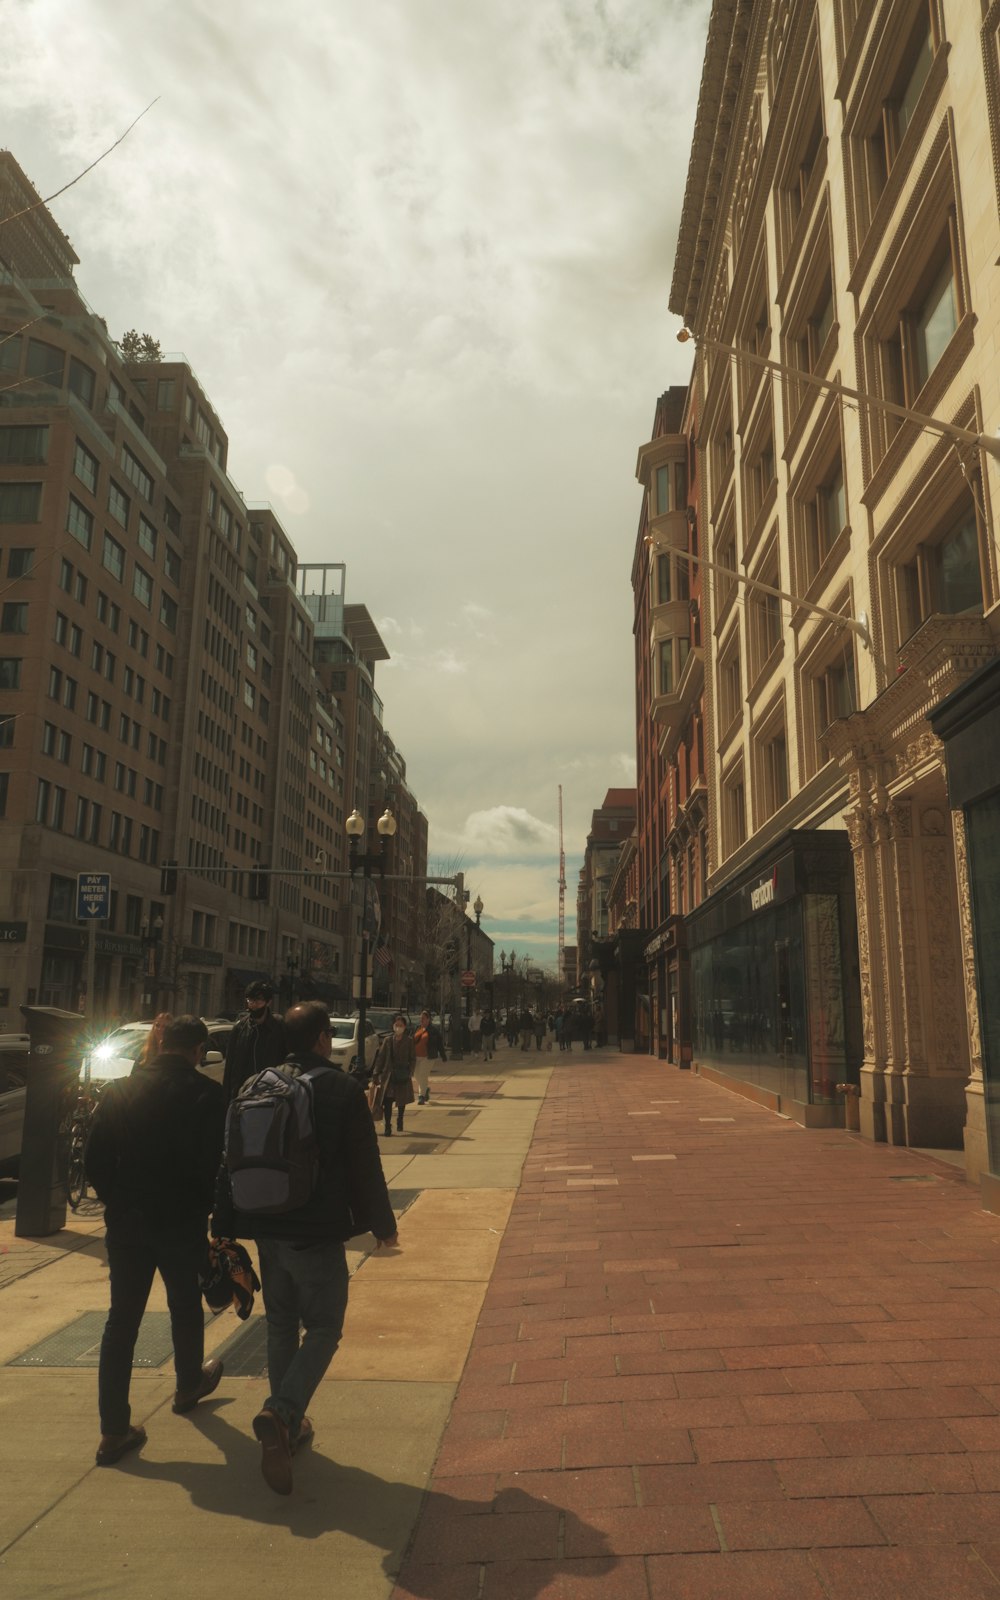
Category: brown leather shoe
[115,1445]
[187,1399]
[276,1453]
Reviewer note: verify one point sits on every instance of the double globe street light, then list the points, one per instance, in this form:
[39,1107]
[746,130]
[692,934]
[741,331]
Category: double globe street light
[366,862]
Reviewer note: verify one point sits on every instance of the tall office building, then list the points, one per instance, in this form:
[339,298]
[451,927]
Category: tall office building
[170,712]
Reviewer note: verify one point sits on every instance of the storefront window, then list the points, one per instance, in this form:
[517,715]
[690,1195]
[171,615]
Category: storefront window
[748,1002]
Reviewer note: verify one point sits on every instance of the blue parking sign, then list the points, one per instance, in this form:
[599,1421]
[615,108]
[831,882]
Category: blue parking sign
[93,896]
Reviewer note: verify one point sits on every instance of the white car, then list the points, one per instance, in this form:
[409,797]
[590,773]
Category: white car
[344,1042]
[117,1054]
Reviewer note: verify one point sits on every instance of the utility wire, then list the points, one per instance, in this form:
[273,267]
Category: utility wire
[48,200]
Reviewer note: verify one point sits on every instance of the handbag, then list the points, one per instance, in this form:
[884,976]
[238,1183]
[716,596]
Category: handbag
[375,1094]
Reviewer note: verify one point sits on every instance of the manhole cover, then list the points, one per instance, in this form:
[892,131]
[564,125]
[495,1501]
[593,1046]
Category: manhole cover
[79,1343]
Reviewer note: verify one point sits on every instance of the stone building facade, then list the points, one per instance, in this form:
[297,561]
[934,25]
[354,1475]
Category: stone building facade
[836,263]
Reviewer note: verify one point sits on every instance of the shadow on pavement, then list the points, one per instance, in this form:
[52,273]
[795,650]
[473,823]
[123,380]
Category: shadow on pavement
[333,1498]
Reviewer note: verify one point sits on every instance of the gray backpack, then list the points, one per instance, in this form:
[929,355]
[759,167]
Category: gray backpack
[271,1151]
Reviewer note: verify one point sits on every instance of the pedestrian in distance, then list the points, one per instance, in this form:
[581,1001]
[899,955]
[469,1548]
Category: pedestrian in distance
[586,1025]
[527,1027]
[257,1041]
[538,1028]
[152,1158]
[550,1030]
[428,1046]
[476,1032]
[489,1032]
[303,1266]
[394,1066]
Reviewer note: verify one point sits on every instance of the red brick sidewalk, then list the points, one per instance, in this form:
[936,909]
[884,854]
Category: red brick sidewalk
[766,1367]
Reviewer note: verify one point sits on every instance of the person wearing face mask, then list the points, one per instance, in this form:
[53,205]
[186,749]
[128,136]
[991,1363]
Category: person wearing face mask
[257,1041]
[395,1062]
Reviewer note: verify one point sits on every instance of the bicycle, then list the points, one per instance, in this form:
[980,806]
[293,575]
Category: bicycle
[83,1113]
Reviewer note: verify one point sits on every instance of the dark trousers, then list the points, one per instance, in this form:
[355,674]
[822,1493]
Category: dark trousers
[387,1104]
[138,1248]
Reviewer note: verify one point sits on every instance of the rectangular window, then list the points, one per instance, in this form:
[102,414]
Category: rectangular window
[80,523]
[81,381]
[74,643]
[165,394]
[45,361]
[142,586]
[10,672]
[113,557]
[20,502]
[7,724]
[942,576]
[20,562]
[14,617]
[24,446]
[119,504]
[168,612]
[171,564]
[835,693]
[137,475]
[147,536]
[10,352]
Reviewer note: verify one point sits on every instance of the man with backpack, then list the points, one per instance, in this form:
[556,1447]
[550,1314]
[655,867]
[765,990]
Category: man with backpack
[257,1041]
[301,1175]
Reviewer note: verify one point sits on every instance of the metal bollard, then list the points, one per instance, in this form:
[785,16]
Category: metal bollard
[852,1110]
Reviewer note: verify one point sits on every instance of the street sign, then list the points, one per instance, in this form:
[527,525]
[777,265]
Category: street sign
[93,896]
[468,980]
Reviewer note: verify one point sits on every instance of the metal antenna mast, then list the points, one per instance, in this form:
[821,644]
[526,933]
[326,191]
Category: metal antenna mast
[562,896]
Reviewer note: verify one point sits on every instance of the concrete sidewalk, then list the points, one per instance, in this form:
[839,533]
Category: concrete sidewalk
[722,1358]
[191,1509]
[690,1351]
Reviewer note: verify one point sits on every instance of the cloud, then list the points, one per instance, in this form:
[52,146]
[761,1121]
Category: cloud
[509,831]
[418,254]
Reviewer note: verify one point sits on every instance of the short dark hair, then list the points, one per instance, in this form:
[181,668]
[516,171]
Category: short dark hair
[260,989]
[401,1017]
[184,1033]
[304,1023]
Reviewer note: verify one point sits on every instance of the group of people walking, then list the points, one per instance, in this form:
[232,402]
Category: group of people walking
[161,1159]
[171,1150]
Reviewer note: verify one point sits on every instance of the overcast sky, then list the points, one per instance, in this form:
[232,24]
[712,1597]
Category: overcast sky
[418,253]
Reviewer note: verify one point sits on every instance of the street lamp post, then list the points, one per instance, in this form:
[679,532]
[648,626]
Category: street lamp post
[478,909]
[366,862]
[507,965]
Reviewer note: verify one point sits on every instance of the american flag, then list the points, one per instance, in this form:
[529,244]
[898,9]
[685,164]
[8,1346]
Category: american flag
[382,956]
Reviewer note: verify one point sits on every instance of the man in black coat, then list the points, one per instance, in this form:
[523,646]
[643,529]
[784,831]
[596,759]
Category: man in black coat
[257,1041]
[152,1158]
[303,1264]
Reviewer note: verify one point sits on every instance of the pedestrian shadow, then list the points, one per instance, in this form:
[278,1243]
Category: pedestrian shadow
[433,1531]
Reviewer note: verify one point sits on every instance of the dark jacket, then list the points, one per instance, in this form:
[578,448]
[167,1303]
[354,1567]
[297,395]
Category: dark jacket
[155,1143]
[252,1047]
[394,1066]
[350,1196]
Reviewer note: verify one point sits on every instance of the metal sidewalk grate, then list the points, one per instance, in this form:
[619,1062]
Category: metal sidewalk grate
[79,1343]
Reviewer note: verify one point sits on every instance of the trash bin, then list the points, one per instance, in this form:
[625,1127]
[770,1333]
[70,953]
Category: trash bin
[52,1076]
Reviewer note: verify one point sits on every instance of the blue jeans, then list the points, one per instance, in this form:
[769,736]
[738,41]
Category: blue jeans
[304,1286]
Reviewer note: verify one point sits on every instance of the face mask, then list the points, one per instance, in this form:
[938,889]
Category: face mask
[398,1031]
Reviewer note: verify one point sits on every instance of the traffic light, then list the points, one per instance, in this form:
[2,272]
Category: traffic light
[168,878]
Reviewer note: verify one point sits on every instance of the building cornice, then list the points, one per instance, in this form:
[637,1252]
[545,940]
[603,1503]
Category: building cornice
[715,120]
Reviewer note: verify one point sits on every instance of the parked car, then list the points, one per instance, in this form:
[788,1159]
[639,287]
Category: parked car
[344,1035]
[381,1018]
[118,1053]
[14,1049]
